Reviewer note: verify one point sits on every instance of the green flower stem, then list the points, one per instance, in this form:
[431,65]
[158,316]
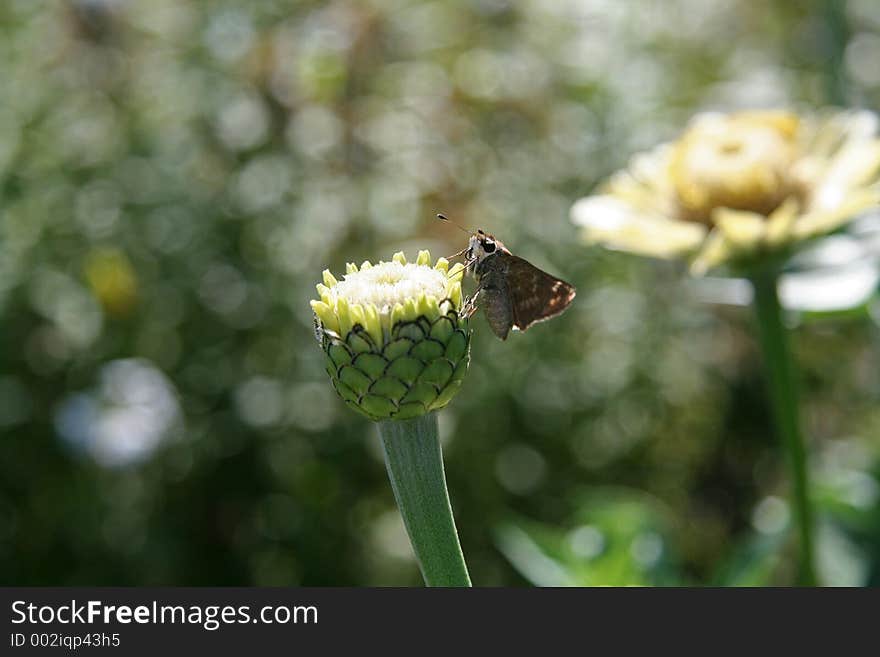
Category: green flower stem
[833,14]
[782,383]
[415,467]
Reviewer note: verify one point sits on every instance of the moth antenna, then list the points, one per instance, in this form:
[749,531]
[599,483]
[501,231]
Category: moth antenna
[460,253]
[443,217]
[465,267]
[452,274]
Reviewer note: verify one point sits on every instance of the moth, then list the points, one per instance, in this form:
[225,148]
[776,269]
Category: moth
[513,293]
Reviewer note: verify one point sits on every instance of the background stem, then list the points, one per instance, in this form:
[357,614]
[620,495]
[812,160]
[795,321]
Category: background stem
[415,467]
[782,385]
[837,37]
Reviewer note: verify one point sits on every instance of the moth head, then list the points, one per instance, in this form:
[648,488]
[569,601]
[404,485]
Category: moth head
[481,245]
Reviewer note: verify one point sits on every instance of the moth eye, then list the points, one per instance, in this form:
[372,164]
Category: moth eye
[489,246]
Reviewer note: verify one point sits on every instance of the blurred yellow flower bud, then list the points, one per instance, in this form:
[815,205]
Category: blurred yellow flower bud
[112,280]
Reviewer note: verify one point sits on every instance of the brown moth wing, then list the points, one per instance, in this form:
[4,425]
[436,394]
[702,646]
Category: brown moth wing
[494,298]
[535,294]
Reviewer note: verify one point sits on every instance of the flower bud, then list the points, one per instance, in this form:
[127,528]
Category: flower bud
[396,345]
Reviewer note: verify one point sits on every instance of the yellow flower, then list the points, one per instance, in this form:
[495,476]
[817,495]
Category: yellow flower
[738,188]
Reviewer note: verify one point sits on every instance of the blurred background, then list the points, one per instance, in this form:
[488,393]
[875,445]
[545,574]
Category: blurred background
[175,175]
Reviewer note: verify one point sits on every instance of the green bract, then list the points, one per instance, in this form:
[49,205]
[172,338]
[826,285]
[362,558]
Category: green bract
[396,344]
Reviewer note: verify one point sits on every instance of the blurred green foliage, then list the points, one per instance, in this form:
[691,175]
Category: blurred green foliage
[175,175]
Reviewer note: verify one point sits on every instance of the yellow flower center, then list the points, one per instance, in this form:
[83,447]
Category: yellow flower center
[742,161]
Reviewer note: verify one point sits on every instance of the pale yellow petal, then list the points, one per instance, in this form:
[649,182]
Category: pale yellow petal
[427,306]
[456,273]
[410,310]
[646,184]
[855,165]
[742,229]
[819,222]
[781,222]
[714,252]
[397,314]
[618,225]
[453,292]
[326,315]
[358,316]
[373,324]
[343,312]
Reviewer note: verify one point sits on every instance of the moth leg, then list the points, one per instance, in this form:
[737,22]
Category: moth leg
[469,307]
